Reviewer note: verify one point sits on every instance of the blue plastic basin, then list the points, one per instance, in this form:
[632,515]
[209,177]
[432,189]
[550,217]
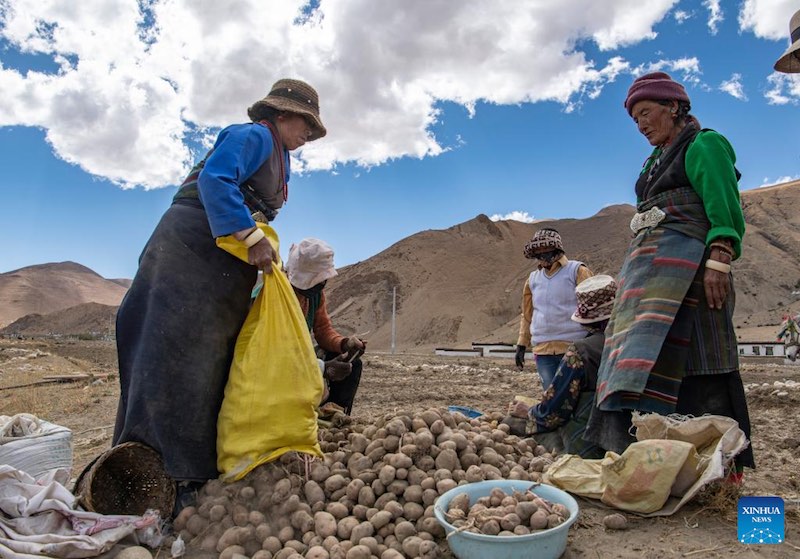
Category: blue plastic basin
[547,544]
[471,413]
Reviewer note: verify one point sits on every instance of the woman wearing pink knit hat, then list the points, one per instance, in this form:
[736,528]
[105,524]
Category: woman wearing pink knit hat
[670,345]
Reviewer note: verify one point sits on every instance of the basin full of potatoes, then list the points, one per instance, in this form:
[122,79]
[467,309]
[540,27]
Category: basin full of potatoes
[373,494]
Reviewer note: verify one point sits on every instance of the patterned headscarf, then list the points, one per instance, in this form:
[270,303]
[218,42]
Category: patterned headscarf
[544,240]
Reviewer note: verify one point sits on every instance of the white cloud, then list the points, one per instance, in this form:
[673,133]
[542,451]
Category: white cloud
[784,89]
[688,68]
[734,88]
[137,78]
[681,16]
[516,215]
[715,15]
[780,180]
[767,19]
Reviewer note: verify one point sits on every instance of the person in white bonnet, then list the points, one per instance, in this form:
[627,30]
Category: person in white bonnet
[309,267]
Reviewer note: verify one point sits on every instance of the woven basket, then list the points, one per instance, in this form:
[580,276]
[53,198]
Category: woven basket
[127,479]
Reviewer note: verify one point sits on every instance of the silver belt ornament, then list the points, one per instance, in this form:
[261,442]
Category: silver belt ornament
[650,218]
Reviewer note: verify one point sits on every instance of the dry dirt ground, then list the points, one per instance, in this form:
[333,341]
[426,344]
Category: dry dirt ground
[704,529]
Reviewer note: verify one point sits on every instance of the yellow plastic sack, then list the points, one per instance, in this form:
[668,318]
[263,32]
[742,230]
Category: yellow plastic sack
[275,383]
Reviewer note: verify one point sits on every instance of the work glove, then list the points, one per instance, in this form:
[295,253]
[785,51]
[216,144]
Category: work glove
[352,346]
[336,369]
[519,358]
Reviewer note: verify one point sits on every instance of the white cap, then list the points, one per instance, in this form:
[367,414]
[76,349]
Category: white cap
[310,262]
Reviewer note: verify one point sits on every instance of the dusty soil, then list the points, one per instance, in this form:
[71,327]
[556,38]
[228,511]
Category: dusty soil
[704,529]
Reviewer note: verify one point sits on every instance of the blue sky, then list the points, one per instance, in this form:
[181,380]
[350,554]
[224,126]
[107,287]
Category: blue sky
[436,111]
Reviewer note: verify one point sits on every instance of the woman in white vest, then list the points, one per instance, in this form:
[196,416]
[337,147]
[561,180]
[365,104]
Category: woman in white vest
[548,301]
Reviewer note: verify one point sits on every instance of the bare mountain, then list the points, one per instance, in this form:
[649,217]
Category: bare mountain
[464,284]
[86,319]
[46,288]
[457,285]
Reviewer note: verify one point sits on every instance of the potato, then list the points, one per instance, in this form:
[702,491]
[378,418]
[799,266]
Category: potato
[196,524]
[490,528]
[538,520]
[525,509]
[360,512]
[510,521]
[400,461]
[615,521]
[404,530]
[345,527]
[371,543]
[445,485]
[180,521]
[392,554]
[338,510]
[358,464]
[135,552]
[411,546]
[428,550]
[231,551]
[262,554]
[395,508]
[425,462]
[359,552]
[302,521]
[362,530]
[381,519]
[334,483]
[432,527]
[413,494]
[272,544]
[413,511]
[447,459]
[299,547]
[391,443]
[446,443]
[338,552]
[397,487]
[554,520]
[283,489]
[324,524]
[358,442]
[313,492]
[285,534]
[386,474]
[475,474]
[353,488]
[320,472]
[366,496]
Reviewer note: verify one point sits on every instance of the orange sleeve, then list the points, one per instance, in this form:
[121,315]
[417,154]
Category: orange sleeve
[327,337]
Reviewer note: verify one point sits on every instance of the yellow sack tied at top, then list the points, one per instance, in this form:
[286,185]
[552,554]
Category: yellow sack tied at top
[275,384]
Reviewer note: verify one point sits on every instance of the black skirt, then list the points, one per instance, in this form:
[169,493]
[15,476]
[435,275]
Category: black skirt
[718,395]
[176,331]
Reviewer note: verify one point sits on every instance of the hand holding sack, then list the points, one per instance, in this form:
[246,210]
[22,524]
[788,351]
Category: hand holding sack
[274,385]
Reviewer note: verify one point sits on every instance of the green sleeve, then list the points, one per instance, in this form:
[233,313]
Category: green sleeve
[709,166]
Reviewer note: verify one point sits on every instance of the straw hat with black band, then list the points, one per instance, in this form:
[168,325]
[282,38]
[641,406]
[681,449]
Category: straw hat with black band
[789,62]
[295,96]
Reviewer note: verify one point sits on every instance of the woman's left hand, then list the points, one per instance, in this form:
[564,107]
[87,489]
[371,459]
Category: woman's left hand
[717,285]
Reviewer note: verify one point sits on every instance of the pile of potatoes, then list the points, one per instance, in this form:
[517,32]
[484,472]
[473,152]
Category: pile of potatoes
[370,497]
[501,514]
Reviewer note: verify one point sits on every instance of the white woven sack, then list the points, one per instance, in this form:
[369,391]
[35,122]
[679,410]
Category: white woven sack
[33,445]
